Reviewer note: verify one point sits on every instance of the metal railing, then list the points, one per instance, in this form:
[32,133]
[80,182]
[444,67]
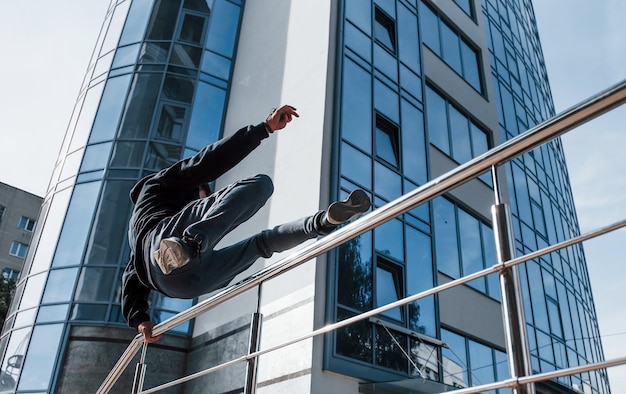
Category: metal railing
[521,380]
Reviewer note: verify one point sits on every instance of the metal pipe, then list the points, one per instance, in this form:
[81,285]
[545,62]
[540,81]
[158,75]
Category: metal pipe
[426,293]
[512,308]
[255,340]
[512,382]
[525,142]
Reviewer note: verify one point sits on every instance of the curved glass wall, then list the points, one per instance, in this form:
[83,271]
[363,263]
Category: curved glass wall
[390,120]
[154,91]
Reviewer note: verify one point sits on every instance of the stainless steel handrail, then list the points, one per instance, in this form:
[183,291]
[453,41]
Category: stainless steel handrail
[415,297]
[523,143]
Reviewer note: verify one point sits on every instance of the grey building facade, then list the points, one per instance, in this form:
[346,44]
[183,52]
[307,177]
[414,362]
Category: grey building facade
[392,94]
[18,214]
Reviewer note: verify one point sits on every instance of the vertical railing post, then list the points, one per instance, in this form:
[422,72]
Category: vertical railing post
[140,371]
[255,338]
[255,343]
[512,305]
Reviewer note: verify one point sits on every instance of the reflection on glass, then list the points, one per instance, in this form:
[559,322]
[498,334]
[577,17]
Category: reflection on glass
[111,105]
[354,273]
[95,284]
[388,183]
[14,358]
[127,154]
[163,20]
[154,52]
[355,340]
[446,244]
[481,361]
[192,29]
[356,114]
[387,352]
[437,120]
[171,122]
[75,230]
[32,291]
[96,157]
[178,88]
[390,240]
[205,126]
[455,368]
[60,286]
[216,65]
[162,155]
[356,166]
[223,28]
[136,22]
[186,56]
[140,106]
[89,312]
[425,358]
[107,241]
[51,313]
[388,289]
[41,357]
[50,232]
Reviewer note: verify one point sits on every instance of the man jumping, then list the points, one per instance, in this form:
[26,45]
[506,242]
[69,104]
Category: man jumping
[173,230]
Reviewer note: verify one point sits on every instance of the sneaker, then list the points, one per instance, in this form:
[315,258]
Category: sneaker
[342,211]
[172,254]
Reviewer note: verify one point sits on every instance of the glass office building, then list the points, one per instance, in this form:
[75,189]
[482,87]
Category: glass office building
[403,91]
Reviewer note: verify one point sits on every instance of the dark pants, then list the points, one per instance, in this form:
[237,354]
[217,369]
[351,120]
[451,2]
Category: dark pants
[210,219]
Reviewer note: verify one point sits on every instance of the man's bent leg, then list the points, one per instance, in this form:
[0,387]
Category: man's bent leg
[203,223]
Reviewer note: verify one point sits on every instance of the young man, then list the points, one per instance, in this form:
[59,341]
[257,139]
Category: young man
[174,229]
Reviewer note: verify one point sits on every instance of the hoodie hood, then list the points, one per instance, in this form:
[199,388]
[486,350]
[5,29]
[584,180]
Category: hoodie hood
[136,190]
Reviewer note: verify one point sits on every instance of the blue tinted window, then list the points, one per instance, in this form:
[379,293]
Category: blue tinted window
[41,357]
[136,21]
[356,166]
[388,288]
[389,239]
[430,28]
[413,143]
[451,51]
[409,51]
[356,120]
[387,183]
[96,157]
[460,136]
[470,72]
[223,28]
[437,121]
[205,126]
[59,286]
[75,231]
[446,244]
[216,65]
[455,371]
[359,15]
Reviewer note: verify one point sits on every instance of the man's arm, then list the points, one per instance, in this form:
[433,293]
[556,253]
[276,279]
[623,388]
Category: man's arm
[216,159]
[135,303]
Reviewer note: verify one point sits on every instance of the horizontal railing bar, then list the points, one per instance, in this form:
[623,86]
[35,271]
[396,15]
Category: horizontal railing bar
[525,142]
[593,107]
[434,290]
[539,377]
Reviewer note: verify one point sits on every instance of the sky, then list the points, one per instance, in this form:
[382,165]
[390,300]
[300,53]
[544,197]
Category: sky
[46,47]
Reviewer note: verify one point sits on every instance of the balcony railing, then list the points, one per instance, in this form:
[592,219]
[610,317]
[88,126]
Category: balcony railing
[522,379]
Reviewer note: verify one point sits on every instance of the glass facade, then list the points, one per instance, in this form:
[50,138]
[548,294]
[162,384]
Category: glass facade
[157,67]
[390,117]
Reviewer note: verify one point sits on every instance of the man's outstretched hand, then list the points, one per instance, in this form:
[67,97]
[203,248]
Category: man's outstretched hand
[146,329]
[279,117]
